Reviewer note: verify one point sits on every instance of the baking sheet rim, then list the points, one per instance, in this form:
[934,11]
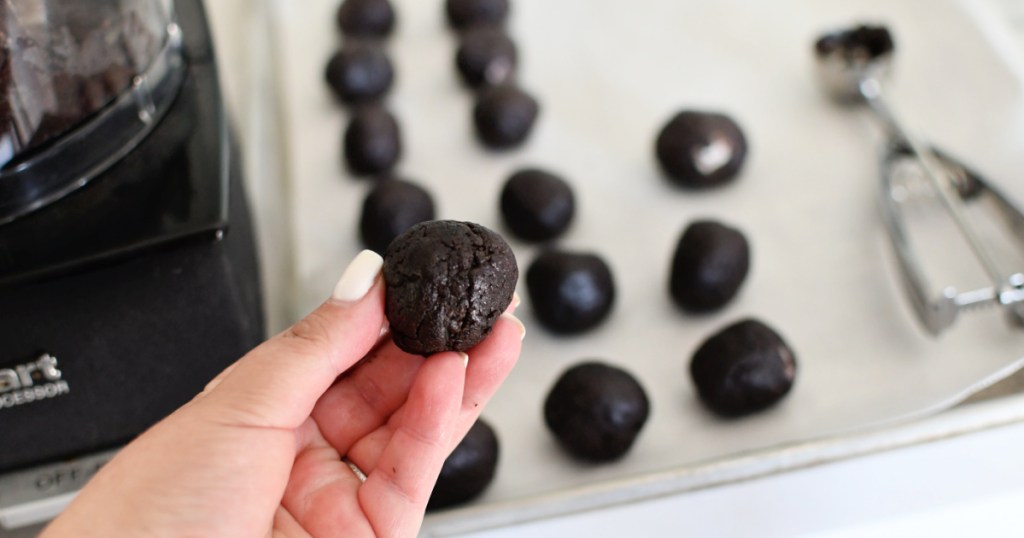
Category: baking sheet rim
[939,422]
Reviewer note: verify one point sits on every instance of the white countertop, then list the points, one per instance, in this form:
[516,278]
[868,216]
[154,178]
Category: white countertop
[968,486]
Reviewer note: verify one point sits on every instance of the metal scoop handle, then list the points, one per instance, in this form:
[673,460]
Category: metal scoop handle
[939,312]
[871,90]
[851,64]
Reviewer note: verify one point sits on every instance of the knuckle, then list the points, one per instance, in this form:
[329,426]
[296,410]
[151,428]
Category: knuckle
[313,332]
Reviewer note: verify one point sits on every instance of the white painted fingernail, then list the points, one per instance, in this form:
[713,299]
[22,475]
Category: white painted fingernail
[513,304]
[358,277]
[465,359]
[513,319]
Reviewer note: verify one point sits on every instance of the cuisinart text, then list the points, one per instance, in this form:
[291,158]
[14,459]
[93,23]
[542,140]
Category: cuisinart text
[31,382]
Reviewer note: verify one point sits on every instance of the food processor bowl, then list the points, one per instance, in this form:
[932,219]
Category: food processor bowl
[82,83]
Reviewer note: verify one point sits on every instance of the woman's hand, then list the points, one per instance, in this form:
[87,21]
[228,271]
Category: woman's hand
[260,451]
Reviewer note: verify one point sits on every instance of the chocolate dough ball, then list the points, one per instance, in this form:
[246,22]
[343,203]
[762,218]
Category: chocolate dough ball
[596,411]
[700,150]
[465,13]
[373,141]
[359,73]
[486,56]
[504,116]
[864,43]
[468,470]
[710,264]
[570,292]
[446,284]
[537,205]
[744,368]
[366,18]
[392,207]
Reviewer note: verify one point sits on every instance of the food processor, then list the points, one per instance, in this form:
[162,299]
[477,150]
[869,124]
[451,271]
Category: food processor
[128,273]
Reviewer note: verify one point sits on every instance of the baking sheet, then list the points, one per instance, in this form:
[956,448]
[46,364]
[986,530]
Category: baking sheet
[608,75]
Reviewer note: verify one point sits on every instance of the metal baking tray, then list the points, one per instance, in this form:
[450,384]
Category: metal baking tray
[608,76]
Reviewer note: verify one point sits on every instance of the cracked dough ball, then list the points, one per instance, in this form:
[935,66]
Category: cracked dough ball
[446,283]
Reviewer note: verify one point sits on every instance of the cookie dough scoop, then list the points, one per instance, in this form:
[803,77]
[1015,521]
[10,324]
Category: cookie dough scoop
[852,63]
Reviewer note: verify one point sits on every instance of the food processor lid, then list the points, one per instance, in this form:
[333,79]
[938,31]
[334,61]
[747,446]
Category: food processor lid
[82,82]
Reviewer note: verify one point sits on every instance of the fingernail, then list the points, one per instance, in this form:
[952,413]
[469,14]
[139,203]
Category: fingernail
[513,319]
[513,304]
[358,277]
[212,385]
[465,359]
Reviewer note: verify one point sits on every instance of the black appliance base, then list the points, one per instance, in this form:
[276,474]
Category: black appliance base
[133,341]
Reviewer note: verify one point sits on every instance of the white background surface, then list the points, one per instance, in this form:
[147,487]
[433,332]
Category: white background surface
[971,485]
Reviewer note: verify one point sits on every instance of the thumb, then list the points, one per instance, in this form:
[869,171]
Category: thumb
[277,384]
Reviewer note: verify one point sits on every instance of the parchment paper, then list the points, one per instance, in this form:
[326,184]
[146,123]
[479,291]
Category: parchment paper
[608,75]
